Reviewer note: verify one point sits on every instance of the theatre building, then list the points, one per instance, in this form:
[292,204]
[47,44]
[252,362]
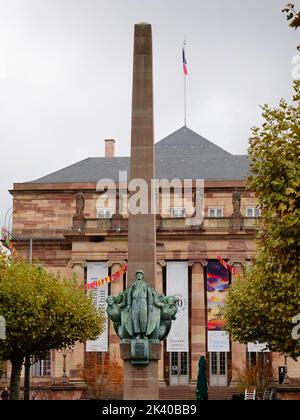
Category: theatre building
[190,259]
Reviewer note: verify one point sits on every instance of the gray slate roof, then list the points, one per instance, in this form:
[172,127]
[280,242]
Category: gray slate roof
[183,154]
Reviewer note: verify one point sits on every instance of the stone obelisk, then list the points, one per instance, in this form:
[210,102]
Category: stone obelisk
[142,229]
[141,382]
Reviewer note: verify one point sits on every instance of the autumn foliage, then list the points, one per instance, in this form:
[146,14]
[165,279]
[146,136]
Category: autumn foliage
[104,376]
[258,376]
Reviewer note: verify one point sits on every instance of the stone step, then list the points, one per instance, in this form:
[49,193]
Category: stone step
[221,393]
[189,393]
[177,393]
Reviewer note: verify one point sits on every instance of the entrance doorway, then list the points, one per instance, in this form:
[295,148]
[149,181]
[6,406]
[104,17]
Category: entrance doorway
[218,369]
[179,369]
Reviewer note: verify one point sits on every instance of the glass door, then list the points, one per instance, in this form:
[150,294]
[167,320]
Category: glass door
[218,369]
[179,369]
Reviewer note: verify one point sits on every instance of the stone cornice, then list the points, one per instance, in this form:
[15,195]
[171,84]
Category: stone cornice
[70,187]
[182,235]
[41,241]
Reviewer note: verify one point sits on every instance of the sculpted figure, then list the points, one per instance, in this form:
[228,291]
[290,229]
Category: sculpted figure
[236,202]
[114,308]
[164,316]
[80,202]
[139,298]
[142,313]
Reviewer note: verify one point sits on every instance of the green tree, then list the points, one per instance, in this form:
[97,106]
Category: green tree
[42,312]
[262,304]
[293,17]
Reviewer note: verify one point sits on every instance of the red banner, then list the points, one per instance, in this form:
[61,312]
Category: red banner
[115,276]
[227,266]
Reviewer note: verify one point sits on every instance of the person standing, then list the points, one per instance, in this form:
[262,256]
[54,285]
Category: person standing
[5,394]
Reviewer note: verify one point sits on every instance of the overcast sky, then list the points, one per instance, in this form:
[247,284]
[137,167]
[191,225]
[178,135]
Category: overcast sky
[66,75]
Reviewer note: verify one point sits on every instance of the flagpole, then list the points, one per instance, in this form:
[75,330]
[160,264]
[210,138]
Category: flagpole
[184,100]
[184,75]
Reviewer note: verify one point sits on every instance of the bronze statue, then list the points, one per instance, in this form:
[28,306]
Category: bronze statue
[139,298]
[80,202]
[140,313]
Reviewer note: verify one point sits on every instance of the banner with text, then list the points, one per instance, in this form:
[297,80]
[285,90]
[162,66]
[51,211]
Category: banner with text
[177,285]
[99,294]
[217,289]
[257,348]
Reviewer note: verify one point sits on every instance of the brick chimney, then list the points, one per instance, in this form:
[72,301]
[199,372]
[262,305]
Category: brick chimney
[109,148]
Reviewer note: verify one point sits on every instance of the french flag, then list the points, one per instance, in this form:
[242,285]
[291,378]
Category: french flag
[185,71]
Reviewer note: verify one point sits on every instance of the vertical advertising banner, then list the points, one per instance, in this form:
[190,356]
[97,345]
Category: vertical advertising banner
[177,285]
[96,271]
[217,289]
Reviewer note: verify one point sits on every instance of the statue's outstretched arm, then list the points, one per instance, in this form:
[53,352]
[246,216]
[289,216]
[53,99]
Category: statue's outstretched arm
[157,302]
[123,303]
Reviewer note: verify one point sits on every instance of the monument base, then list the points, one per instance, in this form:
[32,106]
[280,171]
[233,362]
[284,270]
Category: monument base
[78,223]
[140,381]
[236,222]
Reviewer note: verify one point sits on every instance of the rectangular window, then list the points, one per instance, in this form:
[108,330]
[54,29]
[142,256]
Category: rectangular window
[178,212]
[214,363]
[215,212]
[253,212]
[42,367]
[104,213]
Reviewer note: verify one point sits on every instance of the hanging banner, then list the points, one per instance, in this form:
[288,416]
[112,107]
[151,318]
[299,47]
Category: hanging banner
[108,279]
[217,289]
[257,348]
[177,285]
[228,266]
[99,294]
[218,341]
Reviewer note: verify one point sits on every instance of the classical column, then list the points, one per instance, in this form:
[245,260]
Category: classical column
[238,350]
[198,318]
[116,288]
[76,358]
[159,288]
[78,267]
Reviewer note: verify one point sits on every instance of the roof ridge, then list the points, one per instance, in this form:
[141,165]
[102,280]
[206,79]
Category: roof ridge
[173,137]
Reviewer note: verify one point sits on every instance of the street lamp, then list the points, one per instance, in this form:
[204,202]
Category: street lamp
[64,353]
[5,218]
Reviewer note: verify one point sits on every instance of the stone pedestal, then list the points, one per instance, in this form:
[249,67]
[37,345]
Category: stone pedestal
[141,381]
[78,223]
[237,222]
